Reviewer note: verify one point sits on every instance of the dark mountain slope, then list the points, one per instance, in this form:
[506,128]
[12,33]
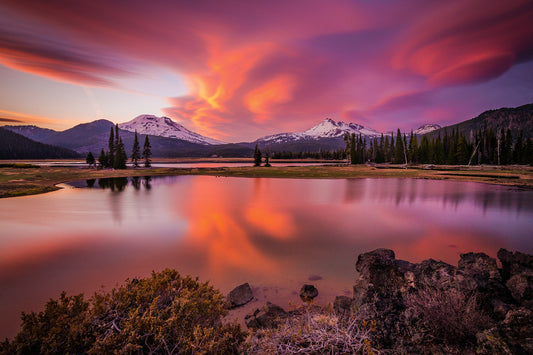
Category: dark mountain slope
[16,146]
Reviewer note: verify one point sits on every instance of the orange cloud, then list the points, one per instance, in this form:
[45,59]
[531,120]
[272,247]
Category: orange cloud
[22,118]
[261,101]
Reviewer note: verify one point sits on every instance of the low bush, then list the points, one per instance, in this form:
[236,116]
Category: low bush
[449,317]
[315,331]
[162,314]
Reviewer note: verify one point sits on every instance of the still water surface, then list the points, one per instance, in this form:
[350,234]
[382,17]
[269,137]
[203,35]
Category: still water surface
[276,234]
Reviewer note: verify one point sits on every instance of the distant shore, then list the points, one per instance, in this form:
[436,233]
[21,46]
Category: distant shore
[22,178]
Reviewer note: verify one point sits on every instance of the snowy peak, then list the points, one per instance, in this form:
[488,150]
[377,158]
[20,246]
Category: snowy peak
[330,128]
[325,129]
[165,127]
[426,128]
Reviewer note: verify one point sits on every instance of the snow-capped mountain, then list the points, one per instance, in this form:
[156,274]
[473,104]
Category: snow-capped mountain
[165,127]
[426,128]
[325,129]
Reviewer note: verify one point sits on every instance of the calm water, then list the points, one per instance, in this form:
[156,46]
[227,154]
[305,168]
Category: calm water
[274,233]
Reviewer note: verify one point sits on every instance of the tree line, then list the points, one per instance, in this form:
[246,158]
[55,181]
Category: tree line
[115,157]
[484,146]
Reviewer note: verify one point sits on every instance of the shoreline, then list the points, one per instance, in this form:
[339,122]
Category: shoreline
[24,179]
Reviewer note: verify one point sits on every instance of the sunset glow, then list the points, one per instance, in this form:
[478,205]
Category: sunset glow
[236,71]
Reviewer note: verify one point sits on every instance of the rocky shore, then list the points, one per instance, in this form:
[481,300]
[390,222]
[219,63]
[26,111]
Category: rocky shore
[429,307]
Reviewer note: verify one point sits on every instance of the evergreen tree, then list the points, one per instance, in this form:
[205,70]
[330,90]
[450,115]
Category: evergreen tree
[257,156]
[462,152]
[398,149]
[423,151]
[267,162]
[135,152]
[117,138]
[386,149]
[147,152]
[528,150]
[413,149]
[352,149]
[90,159]
[102,159]
[111,147]
[120,159]
[518,150]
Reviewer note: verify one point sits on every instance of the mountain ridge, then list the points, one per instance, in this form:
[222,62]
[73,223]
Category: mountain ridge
[326,135]
[165,127]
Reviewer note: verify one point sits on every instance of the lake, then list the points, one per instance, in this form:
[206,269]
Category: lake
[276,234]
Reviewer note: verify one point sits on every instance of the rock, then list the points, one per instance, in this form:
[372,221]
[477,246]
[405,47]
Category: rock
[381,276]
[521,286]
[269,316]
[386,287]
[514,263]
[308,293]
[240,295]
[518,329]
[480,266]
[342,304]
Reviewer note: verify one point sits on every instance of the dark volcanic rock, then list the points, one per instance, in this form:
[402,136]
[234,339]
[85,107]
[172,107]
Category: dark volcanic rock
[240,295]
[401,296]
[514,263]
[342,304]
[269,316]
[518,330]
[308,293]
[480,266]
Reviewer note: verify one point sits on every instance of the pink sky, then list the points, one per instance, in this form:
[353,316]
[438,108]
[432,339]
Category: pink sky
[238,70]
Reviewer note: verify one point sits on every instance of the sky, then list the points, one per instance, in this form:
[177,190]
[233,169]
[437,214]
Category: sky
[239,70]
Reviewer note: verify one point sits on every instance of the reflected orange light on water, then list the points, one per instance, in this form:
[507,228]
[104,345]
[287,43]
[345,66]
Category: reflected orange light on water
[272,233]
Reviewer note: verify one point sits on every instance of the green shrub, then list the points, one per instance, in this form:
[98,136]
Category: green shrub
[165,313]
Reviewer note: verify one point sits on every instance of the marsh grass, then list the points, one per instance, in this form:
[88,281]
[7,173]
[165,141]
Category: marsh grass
[17,181]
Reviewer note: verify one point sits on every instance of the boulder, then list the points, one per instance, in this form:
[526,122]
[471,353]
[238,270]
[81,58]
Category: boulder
[514,263]
[521,286]
[480,266]
[240,295]
[342,304]
[381,276]
[308,293]
[269,316]
[518,330]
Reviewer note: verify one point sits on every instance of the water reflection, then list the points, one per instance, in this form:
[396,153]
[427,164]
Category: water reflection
[234,230]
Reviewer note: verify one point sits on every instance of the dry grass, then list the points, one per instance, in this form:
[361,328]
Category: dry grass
[314,331]
[449,317]
[24,180]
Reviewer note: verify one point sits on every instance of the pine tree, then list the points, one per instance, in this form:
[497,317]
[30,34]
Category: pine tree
[111,147]
[462,154]
[102,159]
[257,156]
[386,149]
[90,159]
[267,162]
[398,150]
[413,149]
[518,150]
[147,152]
[423,151]
[135,152]
[120,156]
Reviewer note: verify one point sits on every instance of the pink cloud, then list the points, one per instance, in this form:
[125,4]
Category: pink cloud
[262,67]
